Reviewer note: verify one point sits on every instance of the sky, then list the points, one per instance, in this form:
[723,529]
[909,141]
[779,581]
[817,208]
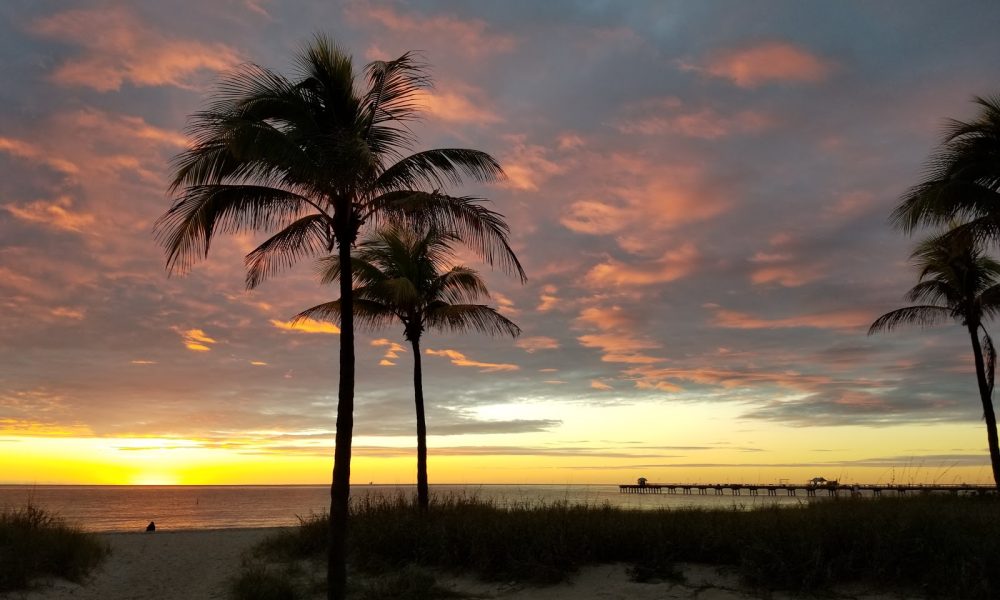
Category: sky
[698,191]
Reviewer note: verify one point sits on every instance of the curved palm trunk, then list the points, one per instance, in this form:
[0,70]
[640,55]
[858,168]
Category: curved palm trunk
[340,490]
[985,394]
[423,493]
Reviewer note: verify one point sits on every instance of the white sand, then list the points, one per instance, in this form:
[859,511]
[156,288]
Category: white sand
[196,565]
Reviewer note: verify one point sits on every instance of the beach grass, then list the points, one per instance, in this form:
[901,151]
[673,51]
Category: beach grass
[36,543]
[936,545]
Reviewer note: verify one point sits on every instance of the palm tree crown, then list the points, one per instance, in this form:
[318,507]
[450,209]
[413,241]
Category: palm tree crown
[402,275]
[962,178]
[406,276]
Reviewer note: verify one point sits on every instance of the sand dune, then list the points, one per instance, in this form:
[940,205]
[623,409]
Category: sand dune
[195,565]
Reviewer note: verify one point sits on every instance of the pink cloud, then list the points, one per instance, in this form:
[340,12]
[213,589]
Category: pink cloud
[674,264]
[528,166]
[460,360]
[456,106]
[57,213]
[118,47]
[536,343]
[32,153]
[669,116]
[473,36]
[766,62]
[621,347]
[600,385]
[666,378]
[392,350]
[839,319]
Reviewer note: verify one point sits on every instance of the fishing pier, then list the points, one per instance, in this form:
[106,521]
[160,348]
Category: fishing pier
[791,489]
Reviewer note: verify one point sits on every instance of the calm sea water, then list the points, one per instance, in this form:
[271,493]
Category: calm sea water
[130,508]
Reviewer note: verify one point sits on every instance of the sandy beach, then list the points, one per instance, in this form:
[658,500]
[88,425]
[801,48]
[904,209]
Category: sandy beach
[186,565]
[165,565]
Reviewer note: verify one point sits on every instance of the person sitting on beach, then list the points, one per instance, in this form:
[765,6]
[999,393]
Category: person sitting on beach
[151,526]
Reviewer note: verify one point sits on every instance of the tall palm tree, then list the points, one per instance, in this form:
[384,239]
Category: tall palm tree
[402,275]
[957,282]
[962,178]
[315,158]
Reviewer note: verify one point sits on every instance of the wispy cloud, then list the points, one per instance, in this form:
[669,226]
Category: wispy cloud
[460,360]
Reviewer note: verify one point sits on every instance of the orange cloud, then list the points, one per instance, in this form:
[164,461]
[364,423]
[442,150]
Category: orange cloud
[620,347]
[119,47]
[840,319]
[454,107]
[195,339]
[547,299]
[673,265]
[533,344]
[111,126]
[669,116]
[57,214]
[665,378]
[528,166]
[471,35]
[767,62]
[31,152]
[67,313]
[307,326]
[600,385]
[392,350]
[460,360]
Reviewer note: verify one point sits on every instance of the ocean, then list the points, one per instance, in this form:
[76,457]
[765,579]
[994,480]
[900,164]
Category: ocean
[131,508]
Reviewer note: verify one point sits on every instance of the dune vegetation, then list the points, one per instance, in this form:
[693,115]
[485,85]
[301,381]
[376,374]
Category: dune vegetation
[936,545]
[35,543]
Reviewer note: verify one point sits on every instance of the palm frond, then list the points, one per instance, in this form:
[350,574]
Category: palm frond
[465,317]
[924,316]
[459,285]
[186,230]
[307,236]
[436,169]
[483,230]
[367,313]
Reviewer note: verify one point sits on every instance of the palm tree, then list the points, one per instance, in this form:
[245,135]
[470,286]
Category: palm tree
[962,178]
[957,282]
[402,275]
[316,158]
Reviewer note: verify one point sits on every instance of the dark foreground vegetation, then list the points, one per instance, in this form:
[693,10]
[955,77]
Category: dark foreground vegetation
[35,543]
[941,546]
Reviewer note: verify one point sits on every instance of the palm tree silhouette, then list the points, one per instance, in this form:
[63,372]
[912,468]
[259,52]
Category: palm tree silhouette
[402,275]
[962,178]
[316,158]
[957,282]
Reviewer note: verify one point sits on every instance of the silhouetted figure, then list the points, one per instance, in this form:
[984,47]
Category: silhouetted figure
[151,526]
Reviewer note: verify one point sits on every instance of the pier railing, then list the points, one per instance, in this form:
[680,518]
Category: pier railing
[751,489]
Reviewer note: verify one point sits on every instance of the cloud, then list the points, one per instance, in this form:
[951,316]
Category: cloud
[674,264]
[31,152]
[536,343]
[836,319]
[528,166]
[58,214]
[620,347]
[452,106]
[307,326]
[195,339]
[460,360]
[473,36]
[600,385]
[392,350]
[767,62]
[669,116]
[118,47]
[548,300]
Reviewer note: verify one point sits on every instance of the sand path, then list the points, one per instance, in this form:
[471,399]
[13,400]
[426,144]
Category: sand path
[166,565]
